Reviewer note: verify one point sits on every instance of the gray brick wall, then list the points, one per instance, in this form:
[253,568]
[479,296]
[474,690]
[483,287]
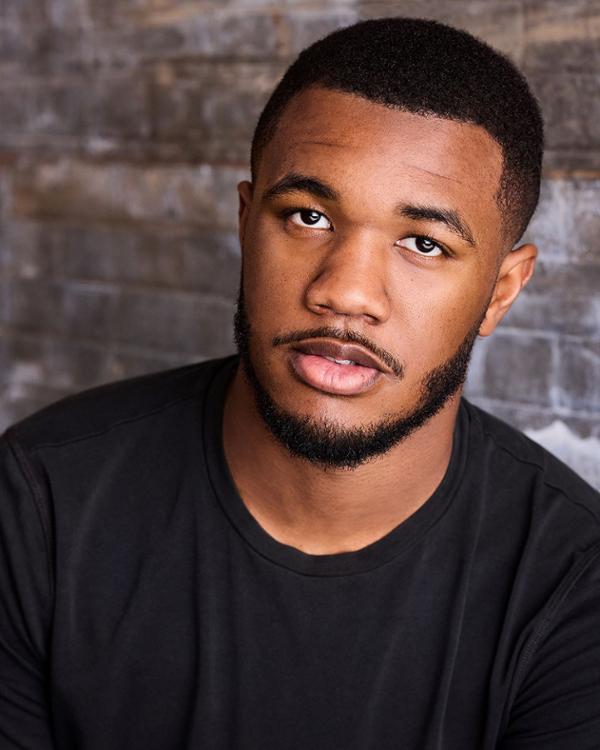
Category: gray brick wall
[124,128]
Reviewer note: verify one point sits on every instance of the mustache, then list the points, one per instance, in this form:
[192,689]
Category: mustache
[346,337]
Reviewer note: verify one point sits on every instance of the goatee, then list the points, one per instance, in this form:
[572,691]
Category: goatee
[333,446]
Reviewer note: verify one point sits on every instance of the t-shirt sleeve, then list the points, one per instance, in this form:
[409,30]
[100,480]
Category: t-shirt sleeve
[558,704]
[25,607]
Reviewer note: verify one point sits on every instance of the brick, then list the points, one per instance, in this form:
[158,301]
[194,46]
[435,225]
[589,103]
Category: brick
[208,263]
[5,252]
[230,33]
[70,309]
[15,46]
[244,6]
[561,299]
[23,11]
[203,196]
[76,14]
[119,256]
[211,264]
[305,26]
[6,192]
[117,105]
[498,22]
[87,311]
[552,228]
[571,106]
[13,115]
[474,387]
[238,34]
[90,253]
[31,305]
[56,108]
[513,368]
[210,110]
[566,225]
[36,106]
[27,252]
[95,254]
[71,366]
[579,376]
[105,106]
[55,49]
[57,364]
[125,47]
[5,302]
[128,364]
[175,322]
[569,32]
[5,358]
[227,31]
[583,240]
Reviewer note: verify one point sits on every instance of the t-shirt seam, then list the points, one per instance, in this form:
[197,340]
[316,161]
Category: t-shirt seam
[552,608]
[541,468]
[345,574]
[41,505]
[114,425]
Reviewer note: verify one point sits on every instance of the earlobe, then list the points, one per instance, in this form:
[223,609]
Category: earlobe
[245,192]
[514,274]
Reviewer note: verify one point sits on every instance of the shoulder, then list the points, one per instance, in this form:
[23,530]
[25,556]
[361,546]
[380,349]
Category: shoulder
[100,410]
[523,467]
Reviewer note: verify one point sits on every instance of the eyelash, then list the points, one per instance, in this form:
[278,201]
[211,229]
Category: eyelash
[444,250]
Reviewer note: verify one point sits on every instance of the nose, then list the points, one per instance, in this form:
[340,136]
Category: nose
[350,280]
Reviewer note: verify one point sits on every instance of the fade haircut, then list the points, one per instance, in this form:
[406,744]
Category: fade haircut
[428,68]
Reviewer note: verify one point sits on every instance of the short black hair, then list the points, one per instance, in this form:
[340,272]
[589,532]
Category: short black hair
[428,68]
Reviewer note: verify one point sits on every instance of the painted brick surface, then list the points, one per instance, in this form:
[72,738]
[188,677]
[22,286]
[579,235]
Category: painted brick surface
[124,129]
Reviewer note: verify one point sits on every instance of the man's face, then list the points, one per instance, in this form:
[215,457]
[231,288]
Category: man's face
[372,237]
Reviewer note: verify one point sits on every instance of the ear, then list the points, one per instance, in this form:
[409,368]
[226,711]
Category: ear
[245,191]
[514,273]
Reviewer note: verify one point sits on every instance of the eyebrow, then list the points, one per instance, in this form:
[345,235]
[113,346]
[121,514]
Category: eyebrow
[298,183]
[446,216]
[293,182]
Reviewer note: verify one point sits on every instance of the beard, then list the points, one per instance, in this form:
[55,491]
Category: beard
[330,445]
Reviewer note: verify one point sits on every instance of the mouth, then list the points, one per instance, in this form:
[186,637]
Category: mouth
[336,368]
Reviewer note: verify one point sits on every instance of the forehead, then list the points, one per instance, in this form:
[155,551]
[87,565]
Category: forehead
[383,155]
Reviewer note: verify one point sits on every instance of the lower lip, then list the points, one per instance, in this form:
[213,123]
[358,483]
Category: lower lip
[327,376]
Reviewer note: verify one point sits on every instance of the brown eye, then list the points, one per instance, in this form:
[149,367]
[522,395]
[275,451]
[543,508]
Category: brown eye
[309,218]
[421,246]
[424,245]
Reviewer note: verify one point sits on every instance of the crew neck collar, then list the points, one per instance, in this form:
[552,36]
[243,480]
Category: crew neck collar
[342,564]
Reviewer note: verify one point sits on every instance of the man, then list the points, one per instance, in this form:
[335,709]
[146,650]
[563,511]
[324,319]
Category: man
[319,545]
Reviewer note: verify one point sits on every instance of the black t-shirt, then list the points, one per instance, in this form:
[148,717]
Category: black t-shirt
[142,606]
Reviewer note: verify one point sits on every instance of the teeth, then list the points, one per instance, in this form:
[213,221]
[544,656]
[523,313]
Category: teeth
[341,361]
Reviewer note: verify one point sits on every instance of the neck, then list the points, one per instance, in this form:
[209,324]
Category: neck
[327,511]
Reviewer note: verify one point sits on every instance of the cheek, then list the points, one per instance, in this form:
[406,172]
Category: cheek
[273,284]
[434,312]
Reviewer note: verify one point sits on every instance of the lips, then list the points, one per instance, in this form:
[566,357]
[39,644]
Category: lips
[336,368]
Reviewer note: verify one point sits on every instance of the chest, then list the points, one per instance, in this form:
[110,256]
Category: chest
[216,647]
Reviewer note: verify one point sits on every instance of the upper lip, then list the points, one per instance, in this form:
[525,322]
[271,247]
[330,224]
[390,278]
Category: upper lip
[335,350]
